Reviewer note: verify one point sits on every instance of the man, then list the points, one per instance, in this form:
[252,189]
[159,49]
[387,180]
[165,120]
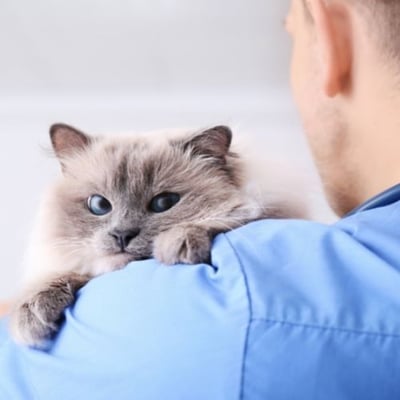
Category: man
[288,309]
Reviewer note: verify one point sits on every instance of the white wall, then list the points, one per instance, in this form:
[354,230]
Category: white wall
[141,45]
[131,65]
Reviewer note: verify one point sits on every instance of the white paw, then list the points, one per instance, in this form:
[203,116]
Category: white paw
[186,244]
[30,326]
[37,318]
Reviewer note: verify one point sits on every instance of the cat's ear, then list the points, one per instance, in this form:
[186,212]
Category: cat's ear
[212,142]
[67,140]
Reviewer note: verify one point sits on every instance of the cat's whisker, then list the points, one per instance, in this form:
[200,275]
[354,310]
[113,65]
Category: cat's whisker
[66,245]
[68,248]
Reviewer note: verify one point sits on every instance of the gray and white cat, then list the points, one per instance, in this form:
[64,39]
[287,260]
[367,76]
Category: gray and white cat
[131,198]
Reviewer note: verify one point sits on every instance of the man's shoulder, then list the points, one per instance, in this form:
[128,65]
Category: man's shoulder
[324,302]
[282,239]
[329,276]
[298,239]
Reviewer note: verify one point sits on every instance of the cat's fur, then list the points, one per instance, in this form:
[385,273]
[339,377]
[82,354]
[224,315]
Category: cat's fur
[71,245]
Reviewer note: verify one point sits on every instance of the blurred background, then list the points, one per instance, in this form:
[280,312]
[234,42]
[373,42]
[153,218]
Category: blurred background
[135,65]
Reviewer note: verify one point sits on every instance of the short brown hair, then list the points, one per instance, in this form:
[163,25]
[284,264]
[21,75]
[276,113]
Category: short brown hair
[382,21]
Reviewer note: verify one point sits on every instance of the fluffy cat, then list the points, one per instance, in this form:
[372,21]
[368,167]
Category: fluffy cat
[131,198]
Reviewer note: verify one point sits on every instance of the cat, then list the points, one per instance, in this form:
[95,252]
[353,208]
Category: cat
[121,199]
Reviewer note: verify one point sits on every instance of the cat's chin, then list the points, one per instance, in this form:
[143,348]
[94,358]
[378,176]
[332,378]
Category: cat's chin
[111,262]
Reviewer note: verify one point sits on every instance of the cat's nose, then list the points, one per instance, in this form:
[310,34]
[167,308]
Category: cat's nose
[123,238]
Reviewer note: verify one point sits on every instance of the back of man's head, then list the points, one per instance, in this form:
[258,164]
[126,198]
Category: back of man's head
[382,23]
[345,78]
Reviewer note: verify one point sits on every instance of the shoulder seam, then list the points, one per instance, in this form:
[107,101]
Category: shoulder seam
[245,348]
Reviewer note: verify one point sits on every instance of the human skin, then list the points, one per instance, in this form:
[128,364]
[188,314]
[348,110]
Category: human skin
[346,90]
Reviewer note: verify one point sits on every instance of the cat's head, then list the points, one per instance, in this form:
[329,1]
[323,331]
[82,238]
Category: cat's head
[117,193]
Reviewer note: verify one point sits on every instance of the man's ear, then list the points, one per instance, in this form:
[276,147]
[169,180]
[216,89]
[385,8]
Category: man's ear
[332,22]
[67,140]
[212,142]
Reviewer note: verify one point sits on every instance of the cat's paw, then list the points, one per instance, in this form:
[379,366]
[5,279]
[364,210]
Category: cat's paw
[36,320]
[186,244]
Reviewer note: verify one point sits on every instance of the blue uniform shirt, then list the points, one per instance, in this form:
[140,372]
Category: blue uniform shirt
[288,310]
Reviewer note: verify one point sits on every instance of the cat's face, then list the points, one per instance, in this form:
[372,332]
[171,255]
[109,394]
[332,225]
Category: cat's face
[117,194]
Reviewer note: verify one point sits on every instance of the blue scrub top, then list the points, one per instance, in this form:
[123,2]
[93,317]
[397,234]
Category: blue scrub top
[288,310]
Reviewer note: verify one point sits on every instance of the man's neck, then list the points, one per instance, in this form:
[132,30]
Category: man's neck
[376,145]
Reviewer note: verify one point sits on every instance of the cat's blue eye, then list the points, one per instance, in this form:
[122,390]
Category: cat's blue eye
[98,205]
[164,202]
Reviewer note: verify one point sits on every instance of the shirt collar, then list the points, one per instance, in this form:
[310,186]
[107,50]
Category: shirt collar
[383,199]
